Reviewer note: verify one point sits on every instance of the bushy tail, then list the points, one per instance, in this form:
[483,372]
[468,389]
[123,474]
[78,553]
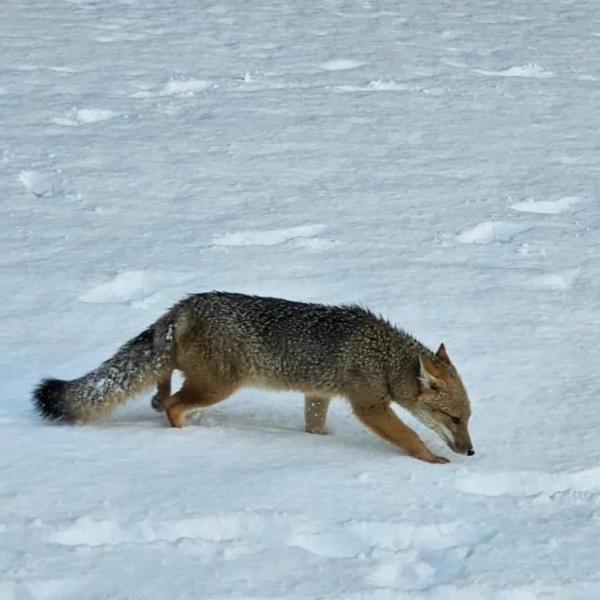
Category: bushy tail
[135,367]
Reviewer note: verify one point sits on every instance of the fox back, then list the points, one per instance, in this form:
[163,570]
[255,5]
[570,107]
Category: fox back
[278,342]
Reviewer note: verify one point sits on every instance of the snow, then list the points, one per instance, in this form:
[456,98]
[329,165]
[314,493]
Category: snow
[489,232]
[547,207]
[529,70]
[187,86]
[76,117]
[341,64]
[384,86]
[556,281]
[527,483]
[271,237]
[129,286]
[438,163]
[40,184]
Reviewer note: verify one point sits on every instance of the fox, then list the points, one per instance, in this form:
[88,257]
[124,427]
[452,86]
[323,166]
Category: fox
[224,341]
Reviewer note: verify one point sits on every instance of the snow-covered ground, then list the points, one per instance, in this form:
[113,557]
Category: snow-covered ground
[436,161]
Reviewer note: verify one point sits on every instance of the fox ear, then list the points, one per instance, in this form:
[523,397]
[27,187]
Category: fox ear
[427,370]
[442,354]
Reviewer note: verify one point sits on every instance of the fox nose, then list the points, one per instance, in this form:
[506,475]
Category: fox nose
[470,452]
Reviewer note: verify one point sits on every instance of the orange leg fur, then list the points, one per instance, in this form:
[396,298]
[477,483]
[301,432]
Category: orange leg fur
[189,398]
[384,422]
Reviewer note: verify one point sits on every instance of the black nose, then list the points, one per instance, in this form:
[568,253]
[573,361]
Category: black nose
[470,452]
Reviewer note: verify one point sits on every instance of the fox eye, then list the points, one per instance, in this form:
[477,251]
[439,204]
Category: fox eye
[455,420]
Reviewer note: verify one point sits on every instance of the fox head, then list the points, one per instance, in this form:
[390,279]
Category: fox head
[442,403]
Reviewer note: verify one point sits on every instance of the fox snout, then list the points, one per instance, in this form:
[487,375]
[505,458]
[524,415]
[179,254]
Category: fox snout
[457,439]
[463,446]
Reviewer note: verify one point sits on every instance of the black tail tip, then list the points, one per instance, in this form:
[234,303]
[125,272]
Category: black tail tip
[49,399]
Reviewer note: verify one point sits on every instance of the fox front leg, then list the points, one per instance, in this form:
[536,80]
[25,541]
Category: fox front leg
[383,421]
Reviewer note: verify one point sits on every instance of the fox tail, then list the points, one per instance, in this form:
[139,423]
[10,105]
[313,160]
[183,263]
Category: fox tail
[136,366]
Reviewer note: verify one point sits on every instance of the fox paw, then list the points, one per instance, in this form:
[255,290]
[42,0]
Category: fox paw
[316,430]
[433,458]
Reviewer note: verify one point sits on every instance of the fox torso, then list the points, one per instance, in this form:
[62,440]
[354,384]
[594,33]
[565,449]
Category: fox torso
[277,343]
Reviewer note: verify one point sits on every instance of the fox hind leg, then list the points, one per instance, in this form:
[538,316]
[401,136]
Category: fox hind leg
[190,398]
[315,414]
[162,393]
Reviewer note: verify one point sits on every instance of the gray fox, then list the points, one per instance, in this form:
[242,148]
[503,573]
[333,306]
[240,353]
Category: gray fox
[223,341]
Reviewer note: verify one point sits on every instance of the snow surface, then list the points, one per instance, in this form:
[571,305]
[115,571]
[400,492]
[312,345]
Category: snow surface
[547,207]
[490,232]
[76,117]
[530,70]
[414,157]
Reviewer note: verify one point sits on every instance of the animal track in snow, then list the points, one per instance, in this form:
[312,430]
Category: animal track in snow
[269,237]
[547,207]
[129,286]
[530,483]
[84,116]
[490,232]
[532,70]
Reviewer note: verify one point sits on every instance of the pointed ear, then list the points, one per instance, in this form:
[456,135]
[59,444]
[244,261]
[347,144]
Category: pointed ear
[442,354]
[427,373]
